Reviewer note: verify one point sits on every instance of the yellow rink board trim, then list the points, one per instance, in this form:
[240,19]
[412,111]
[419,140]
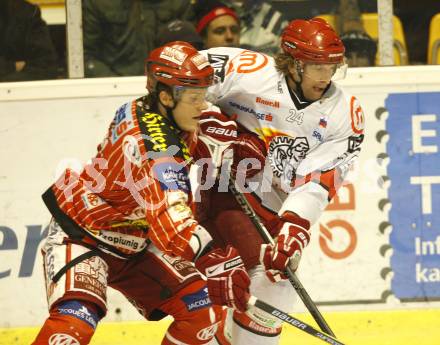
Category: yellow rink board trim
[421,327]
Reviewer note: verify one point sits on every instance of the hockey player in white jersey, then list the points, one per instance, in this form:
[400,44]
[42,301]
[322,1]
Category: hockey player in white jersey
[306,132]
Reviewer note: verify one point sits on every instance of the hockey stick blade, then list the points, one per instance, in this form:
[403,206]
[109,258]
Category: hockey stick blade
[264,233]
[292,321]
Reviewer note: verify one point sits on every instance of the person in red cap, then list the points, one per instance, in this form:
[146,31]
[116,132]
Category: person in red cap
[218,24]
[299,132]
[126,220]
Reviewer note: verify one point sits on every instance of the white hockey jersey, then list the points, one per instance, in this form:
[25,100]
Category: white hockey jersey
[310,145]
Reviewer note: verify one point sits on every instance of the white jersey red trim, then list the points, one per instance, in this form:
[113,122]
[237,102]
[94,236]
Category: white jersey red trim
[310,145]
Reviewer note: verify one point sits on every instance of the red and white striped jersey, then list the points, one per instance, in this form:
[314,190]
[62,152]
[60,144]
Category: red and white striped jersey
[134,190]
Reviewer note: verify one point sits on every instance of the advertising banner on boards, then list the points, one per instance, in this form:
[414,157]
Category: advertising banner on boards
[379,238]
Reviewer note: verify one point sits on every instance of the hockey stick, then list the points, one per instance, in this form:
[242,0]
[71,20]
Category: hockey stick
[292,321]
[310,305]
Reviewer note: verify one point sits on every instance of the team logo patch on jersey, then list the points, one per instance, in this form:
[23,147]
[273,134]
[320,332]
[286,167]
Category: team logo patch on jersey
[172,176]
[91,200]
[285,153]
[197,300]
[357,116]
[247,62]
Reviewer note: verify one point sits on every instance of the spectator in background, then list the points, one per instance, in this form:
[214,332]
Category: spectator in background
[119,34]
[179,30]
[218,24]
[360,48]
[261,25]
[26,49]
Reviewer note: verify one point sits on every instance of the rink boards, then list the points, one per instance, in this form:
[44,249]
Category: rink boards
[377,246]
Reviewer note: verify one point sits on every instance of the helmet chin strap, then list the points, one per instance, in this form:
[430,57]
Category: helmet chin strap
[170,114]
[299,90]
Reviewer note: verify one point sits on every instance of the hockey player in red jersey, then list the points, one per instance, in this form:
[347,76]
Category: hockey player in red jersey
[306,131]
[126,220]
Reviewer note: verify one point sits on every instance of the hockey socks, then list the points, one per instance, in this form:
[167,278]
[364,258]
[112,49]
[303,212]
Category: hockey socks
[70,322]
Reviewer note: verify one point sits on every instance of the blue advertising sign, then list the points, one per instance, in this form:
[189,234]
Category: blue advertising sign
[413,125]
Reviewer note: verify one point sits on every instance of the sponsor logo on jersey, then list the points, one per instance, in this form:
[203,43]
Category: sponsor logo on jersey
[285,153]
[91,200]
[62,339]
[247,109]
[218,62]
[122,240]
[197,300]
[318,135]
[323,122]
[76,309]
[160,136]
[269,103]
[172,176]
[91,275]
[155,133]
[122,122]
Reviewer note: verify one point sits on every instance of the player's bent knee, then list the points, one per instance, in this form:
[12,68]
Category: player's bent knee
[70,322]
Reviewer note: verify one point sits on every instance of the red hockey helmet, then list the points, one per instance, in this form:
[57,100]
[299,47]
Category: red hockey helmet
[312,40]
[178,63]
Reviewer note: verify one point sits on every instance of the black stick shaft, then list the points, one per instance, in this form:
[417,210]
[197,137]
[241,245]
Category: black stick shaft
[301,291]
